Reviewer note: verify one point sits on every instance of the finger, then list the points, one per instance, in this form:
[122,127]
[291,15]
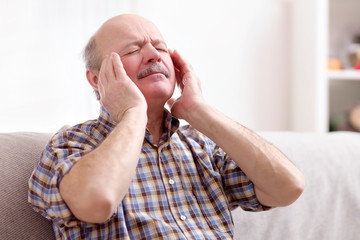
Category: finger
[109,68]
[180,62]
[178,77]
[183,70]
[102,72]
[101,91]
[119,70]
[178,74]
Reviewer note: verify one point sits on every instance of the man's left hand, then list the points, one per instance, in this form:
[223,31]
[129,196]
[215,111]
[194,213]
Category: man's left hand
[191,97]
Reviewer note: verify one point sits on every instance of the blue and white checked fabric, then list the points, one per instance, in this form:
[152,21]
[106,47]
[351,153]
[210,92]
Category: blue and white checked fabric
[184,188]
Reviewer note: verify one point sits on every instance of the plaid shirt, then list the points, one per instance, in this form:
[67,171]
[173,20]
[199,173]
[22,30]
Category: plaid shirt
[184,188]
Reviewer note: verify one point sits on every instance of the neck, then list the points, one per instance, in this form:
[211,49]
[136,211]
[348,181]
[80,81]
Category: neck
[155,123]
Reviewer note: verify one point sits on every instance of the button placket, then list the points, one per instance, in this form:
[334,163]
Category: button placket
[172,178]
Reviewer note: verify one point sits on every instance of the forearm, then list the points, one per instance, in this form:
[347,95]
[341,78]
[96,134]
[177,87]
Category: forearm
[277,181]
[98,181]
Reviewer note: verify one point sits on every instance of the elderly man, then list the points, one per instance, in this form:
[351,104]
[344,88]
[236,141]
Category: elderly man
[134,173]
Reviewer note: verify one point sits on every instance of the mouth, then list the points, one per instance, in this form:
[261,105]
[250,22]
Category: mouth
[156,68]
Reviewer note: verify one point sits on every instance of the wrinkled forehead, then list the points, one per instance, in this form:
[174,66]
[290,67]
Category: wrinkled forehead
[119,31]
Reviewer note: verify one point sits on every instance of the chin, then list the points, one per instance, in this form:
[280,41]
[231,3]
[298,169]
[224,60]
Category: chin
[157,97]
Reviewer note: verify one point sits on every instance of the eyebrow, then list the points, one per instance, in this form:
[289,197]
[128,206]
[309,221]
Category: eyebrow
[142,42]
[158,41]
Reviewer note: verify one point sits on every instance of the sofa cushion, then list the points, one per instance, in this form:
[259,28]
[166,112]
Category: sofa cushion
[329,207]
[18,156]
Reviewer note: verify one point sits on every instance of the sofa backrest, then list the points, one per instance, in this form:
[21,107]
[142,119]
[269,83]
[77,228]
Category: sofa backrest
[329,207]
[19,153]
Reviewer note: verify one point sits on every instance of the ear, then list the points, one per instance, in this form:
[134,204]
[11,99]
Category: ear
[92,77]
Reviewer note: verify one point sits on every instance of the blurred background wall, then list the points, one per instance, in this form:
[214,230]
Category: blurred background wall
[246,54]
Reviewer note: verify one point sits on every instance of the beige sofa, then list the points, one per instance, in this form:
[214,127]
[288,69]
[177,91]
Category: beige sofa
[328,209]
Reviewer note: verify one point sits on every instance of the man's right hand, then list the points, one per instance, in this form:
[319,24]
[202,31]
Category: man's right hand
[99,180]
[118,93]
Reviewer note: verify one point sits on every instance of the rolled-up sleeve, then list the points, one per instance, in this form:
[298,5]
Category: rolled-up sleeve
[62,152]
[238,188]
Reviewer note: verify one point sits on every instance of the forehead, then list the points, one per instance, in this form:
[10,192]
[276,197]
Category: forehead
[118,32]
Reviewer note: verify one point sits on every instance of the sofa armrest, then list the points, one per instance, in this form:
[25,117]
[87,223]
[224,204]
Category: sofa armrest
[18,155]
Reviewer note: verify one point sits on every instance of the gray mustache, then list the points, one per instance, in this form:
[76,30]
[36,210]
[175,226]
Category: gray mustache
[156,67]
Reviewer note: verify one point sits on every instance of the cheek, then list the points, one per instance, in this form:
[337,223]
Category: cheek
[169,64]
[130,66]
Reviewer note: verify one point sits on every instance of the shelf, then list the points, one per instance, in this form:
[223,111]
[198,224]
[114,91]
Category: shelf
[344,75]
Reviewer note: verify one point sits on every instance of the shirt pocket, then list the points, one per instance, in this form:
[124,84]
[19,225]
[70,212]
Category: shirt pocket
[214,207]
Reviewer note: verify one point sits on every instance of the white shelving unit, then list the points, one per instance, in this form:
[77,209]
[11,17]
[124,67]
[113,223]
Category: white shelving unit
[322,29]
[344,94]
[343,85]
[344,75]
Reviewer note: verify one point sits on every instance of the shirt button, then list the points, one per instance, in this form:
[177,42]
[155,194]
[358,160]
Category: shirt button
[171,181]
[182,217]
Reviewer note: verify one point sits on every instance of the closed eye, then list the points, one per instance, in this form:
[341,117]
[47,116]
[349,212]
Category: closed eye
[132,51]
[162,49]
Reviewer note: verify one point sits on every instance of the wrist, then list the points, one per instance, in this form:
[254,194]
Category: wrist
[135,115]
[199,114]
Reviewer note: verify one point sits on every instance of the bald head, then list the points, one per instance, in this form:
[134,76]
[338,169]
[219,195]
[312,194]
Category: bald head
[118,27]
[126,22]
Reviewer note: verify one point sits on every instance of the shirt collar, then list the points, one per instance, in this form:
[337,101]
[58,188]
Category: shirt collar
[171,124]
[105,119]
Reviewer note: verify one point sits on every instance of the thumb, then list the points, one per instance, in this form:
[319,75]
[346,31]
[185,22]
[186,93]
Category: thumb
[174,107]
[171,102]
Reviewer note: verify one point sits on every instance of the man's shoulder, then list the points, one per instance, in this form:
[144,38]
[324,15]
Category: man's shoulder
[194,135]
[91,131]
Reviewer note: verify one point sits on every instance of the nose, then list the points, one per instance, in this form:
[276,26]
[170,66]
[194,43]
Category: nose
[151,54]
